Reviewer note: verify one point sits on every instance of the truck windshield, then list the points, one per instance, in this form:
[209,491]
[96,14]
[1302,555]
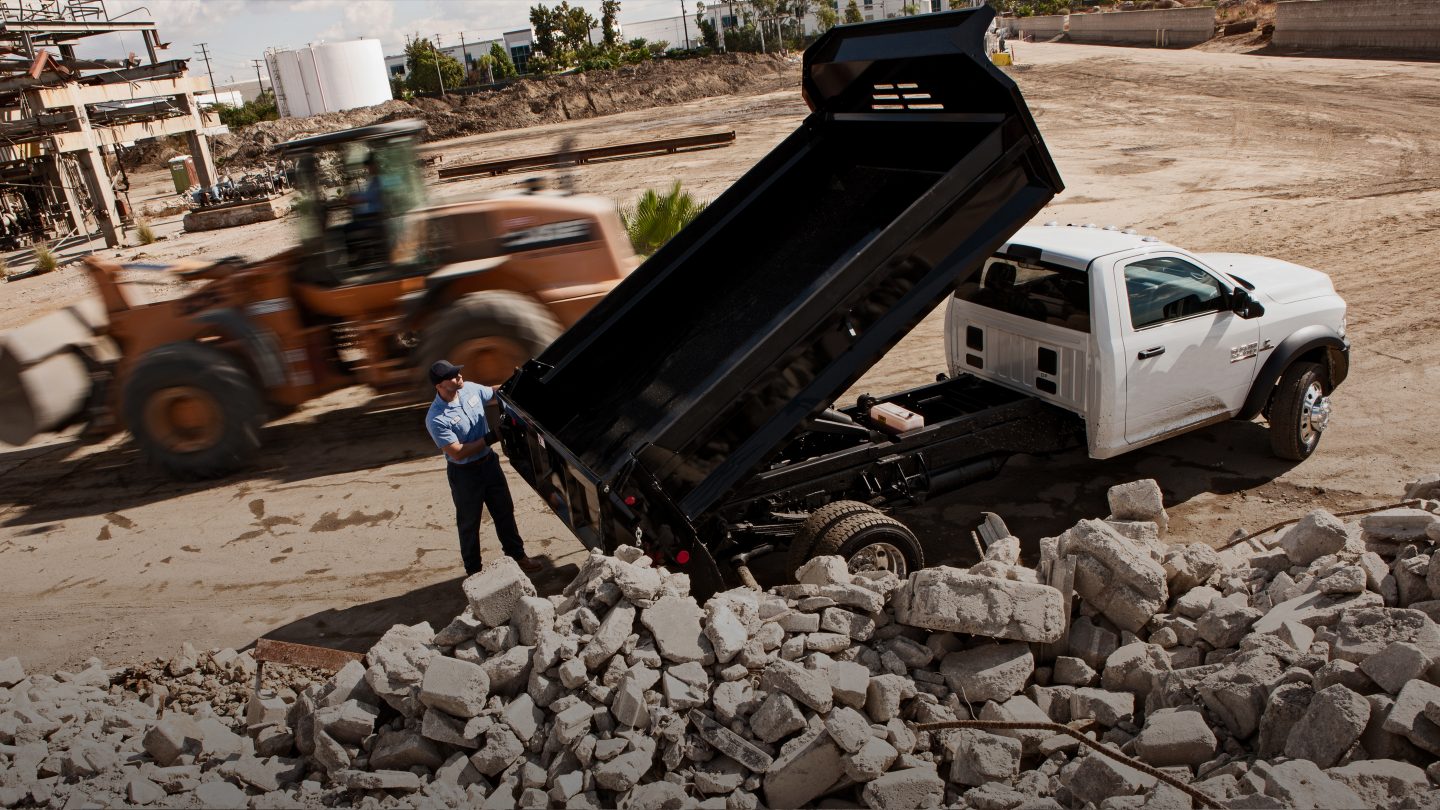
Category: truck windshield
[1054,295]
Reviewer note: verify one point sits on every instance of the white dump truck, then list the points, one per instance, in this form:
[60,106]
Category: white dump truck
[1144,340]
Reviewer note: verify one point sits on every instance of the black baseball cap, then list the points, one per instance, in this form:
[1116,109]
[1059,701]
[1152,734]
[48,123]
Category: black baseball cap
[443,370]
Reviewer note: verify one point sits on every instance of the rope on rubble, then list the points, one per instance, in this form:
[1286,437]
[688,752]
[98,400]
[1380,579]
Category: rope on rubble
[1202,799]
[1282,524]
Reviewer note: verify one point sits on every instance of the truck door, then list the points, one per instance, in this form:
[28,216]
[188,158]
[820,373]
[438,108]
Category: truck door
[1188,358]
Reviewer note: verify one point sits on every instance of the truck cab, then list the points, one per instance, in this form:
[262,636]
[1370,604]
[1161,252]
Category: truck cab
[1145,340]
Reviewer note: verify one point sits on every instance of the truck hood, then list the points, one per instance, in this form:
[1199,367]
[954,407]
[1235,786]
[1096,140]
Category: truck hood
[1279,280]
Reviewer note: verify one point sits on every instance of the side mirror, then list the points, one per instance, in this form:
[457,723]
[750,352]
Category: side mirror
[1242,304]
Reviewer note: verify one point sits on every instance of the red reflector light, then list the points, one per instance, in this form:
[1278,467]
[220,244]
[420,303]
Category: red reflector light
[682,556]
[630,500]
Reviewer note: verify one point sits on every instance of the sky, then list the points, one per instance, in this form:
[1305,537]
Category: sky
[237,31]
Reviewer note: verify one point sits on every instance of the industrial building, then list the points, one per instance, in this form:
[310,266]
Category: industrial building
[66,119]
[328,77]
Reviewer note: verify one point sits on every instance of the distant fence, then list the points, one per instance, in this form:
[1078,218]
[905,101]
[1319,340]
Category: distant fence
[1166,28]
[1169,28]
[1400,25]
[1038,28]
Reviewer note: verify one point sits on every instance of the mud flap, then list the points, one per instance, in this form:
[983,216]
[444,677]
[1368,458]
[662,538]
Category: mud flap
[44,378]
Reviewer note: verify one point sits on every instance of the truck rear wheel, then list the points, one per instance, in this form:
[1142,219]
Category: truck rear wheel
[873,542]
[193,411]
[490,333]
[815,527]
[1299,412]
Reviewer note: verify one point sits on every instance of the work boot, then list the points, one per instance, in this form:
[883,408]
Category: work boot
[529,565]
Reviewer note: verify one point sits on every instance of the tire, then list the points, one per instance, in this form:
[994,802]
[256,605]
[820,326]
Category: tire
[1299,411]
[816,525]
[491,333]
[193,410]
[870,542]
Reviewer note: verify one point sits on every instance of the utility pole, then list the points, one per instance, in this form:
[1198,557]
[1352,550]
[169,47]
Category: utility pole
[259,82]
[206,55]
[464,55]
[439,53]
[685,23]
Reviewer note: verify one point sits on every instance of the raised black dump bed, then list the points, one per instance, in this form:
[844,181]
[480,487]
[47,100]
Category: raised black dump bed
[689,408]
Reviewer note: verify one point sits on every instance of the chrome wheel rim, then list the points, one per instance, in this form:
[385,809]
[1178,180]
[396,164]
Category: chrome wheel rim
[1314,413]
[879,557]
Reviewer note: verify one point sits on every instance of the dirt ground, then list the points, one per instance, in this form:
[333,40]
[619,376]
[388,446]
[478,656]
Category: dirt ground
[344,527]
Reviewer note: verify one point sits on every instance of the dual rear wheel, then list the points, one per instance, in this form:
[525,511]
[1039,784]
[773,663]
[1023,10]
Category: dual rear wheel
[867,539]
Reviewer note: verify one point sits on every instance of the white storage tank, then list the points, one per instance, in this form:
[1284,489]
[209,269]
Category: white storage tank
[328,76]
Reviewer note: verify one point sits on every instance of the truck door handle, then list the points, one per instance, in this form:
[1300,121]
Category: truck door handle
[1155,351]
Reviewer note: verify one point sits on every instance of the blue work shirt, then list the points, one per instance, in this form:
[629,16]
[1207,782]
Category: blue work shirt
[462,420]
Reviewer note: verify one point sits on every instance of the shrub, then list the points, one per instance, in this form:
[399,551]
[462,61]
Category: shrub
[144,232]
[45,259]
[658,217]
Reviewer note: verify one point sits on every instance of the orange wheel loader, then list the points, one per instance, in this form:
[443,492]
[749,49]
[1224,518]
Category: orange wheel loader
[380,286]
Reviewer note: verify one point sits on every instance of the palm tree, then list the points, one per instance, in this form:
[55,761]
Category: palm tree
[657,217]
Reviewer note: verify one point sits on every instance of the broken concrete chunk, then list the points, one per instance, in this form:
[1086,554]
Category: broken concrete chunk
[729,743]
[1175,737]
[988,672]
[1381,782]
[1225,623]
[979,757]
[608,637]
[807,686]
[1330,726]
[674,621]
[1317,534]
[907,788]
[494,591]
[1113,575]
[1408,717]
[827,570]
[1139,500]
[1396,665]
[945,598]
[806,769]
[777,717]
[455,687]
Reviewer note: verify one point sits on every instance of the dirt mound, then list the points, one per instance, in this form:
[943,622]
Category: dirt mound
[532,102]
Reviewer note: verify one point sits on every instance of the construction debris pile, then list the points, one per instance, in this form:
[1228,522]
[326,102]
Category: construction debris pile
[531,102]
[1305,676]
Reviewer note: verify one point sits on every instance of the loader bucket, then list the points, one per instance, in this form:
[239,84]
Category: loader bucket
[44,379]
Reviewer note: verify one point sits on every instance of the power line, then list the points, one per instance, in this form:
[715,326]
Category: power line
[206,55]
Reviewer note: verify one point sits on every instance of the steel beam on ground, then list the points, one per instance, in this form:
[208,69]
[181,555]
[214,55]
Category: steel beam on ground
[637,149]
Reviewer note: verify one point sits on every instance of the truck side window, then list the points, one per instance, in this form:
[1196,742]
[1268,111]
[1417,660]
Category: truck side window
[1056,295]
[1166,289]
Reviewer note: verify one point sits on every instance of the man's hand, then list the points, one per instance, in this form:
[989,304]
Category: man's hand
[460,452]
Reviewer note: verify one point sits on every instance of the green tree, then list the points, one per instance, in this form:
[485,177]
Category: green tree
[500,62]
[826,16]
[426,65]
[909,9]
[852,13]
[609,11]
[546,24]
[658,217]
[956,5]
[575,26]
[258,109]
[708,35]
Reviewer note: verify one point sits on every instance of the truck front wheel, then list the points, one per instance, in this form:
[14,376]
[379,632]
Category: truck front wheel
[816,525]
[194,412]
[1299,412]
[873,542]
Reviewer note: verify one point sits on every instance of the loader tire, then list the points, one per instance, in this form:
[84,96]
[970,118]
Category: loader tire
[873,542]
[1299,411]
[815,527]
[490,333]
[193,410]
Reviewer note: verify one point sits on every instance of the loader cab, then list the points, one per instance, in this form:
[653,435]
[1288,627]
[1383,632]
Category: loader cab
[359,192]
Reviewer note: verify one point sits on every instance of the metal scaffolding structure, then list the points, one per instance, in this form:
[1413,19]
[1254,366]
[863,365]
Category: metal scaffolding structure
[64,119]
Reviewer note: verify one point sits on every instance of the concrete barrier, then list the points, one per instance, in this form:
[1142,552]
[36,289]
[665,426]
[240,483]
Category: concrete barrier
[1396,25]
[1038,29]
[1169,28]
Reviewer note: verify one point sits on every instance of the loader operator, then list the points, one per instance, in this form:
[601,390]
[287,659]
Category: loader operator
[458,423]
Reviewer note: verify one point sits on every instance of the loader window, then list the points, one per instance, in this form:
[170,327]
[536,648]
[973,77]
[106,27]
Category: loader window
[1048,293]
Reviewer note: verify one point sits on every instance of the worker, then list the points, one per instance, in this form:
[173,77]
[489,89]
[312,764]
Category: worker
[459,421]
